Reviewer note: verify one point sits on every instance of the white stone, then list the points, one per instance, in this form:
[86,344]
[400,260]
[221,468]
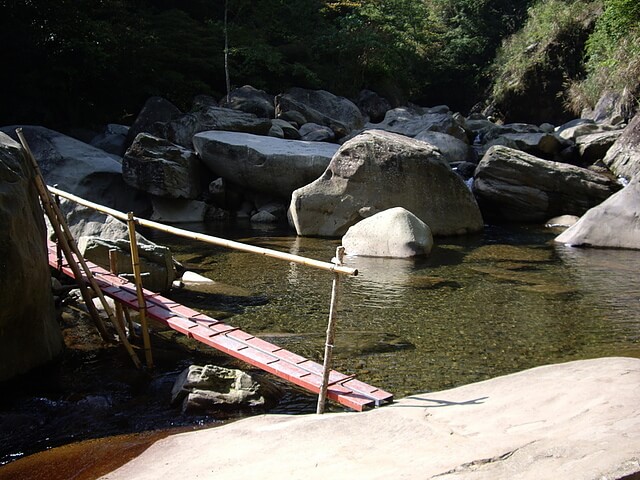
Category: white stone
[395,232]
[193,277]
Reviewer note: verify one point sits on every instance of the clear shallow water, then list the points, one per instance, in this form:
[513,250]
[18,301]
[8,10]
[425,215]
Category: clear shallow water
[476,308]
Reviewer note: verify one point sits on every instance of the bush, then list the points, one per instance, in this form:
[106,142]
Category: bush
[612,56]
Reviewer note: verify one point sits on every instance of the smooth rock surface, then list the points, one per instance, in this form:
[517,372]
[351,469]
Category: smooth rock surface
[80,169]
[615,223]
[574,421]
[395,233]
[261,163]
[29,333]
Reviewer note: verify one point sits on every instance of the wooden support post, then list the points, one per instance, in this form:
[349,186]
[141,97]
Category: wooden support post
[113,268]
[73,255]
[331,333]
[142,304]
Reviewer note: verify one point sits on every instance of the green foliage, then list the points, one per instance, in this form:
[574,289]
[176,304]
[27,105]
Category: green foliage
[86,62]
[528,50]
[613,55]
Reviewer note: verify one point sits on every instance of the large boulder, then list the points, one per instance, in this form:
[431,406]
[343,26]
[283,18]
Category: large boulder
[452,149]
[162,168]
[372,105]
[412,121]
[182,128]
[396,233]
[594,146]
[156,112]
[96,234]
[515,186]
[29,334]
[378,170]
[321,107]
[81,169]
[623,158]
[264,164]
[250,100]
[615,223]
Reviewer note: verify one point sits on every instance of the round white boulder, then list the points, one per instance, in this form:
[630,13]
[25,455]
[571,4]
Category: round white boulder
[395,232]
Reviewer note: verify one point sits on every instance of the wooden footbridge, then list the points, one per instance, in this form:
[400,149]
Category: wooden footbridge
[312,376]
[344,389]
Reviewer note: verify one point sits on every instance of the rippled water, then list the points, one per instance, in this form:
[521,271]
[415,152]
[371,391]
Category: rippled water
[477,307]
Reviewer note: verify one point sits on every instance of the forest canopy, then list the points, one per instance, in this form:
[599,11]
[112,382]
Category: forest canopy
[88,62]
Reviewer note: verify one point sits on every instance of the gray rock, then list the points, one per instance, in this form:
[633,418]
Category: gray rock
[156,262]
[113,140]
[162,168]
[583,127]
[541,144]
[312,132]
[321,107]
[155,113]
[372,105]
[169,210]
[378,170]
[451,148]
[515,186]
[96,233]
[623,158]
[410,122]
[264,217]
[81,169]
[615,223]
[290,132]
[204,390]
[594,147]
[395,232]
[250,100]
[181,129]
[263,164]
[29,334]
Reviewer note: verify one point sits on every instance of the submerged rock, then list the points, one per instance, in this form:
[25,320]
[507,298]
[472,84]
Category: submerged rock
[207,389]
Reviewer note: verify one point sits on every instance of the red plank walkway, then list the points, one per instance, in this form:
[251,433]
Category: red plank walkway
[344,389]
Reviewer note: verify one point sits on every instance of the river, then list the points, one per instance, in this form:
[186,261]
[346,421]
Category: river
[478,307]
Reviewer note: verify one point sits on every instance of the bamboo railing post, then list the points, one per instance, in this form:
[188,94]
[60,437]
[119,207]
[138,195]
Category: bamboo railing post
[73,255]
[142,304]
[113,267]
[331,333]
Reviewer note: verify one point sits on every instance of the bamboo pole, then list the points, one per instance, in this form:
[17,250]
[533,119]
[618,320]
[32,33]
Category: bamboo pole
[113,267]
[70,249]
[331,267]
[331,334]
[142,303]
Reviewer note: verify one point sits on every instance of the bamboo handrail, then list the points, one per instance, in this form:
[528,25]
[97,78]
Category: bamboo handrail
[222,242]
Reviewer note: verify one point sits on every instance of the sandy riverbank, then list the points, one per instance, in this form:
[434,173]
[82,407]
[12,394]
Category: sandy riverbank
[578,420]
